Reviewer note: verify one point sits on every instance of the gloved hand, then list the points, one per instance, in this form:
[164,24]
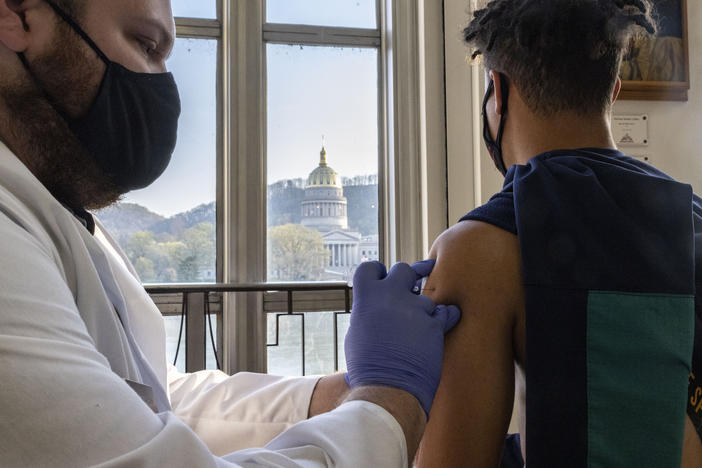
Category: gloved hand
[396,337]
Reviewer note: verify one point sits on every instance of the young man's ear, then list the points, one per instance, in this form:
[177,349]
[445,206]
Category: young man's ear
[497,81]
[617,89]
[13,32]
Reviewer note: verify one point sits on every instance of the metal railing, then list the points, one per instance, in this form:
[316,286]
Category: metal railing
[196,312]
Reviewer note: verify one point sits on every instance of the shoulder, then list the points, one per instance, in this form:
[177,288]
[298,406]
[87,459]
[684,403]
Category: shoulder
[475,259]
[474,236]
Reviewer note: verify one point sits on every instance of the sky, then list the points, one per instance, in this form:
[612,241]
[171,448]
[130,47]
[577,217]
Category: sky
[195,8]
[321,91]
[312,91]
[346,13]
[190,179]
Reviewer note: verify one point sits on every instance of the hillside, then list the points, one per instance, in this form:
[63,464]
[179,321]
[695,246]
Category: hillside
[124,219]
[284,202]
[176,224]
[362,208]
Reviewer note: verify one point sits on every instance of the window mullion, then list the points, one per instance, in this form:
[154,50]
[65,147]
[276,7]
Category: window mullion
[404,177]
[244,252]
[416,162]
[385,214]
[320,35]
[198,28]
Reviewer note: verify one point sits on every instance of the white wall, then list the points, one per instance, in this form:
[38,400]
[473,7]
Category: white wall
[461,126]
[675,128]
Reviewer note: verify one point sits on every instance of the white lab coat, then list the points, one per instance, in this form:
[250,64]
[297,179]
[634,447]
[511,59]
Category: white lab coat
[75,323]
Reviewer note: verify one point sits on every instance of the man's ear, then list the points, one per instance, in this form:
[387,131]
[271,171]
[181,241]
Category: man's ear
[13,33]
[497,80]
[617,89]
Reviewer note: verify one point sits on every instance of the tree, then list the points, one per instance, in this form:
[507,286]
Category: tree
[201,246]
[175,251]
[145,269]
[296,253]
[188,270]
[169,260]
[140,244]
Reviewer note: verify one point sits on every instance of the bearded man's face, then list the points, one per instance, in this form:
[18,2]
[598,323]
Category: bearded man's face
[64,76]
[61,77]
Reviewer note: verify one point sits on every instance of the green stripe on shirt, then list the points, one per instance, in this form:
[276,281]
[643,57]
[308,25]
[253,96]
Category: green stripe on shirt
[639,351]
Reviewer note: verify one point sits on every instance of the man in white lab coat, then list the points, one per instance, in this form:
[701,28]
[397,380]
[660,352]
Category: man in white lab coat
[87,113]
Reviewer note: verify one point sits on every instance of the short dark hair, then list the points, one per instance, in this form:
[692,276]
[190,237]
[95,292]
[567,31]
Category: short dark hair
[75,8]
[562,55]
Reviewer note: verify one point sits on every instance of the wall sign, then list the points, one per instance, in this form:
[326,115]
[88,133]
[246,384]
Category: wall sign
[630,130]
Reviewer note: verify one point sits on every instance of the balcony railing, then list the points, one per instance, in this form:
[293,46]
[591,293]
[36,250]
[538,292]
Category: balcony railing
[197,303]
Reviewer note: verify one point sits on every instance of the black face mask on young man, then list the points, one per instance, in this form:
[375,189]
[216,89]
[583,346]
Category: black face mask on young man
[495,146]
[131,127]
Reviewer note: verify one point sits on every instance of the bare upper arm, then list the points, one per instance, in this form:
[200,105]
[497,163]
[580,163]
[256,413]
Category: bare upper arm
[487,253]
[479,269]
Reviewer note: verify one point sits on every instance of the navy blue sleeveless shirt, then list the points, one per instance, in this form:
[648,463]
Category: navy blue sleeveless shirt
[612,265]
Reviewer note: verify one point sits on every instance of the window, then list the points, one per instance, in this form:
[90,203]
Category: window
[323,140]
[266,84]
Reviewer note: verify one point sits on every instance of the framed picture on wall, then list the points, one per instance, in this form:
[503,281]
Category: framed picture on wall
[658,68]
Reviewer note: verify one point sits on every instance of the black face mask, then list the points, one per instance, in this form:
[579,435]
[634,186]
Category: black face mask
[132,126]
[495,146]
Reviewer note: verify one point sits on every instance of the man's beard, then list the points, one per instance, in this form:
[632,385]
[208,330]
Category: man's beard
[42,139]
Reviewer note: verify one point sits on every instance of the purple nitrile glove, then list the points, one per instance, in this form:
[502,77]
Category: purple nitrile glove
[396,337]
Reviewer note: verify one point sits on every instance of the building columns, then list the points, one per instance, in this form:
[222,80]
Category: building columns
[344,255]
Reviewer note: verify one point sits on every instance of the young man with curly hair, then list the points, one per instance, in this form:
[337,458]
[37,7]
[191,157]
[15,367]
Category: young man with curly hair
[583,275]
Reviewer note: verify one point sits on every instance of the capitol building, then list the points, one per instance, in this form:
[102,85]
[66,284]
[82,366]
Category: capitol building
[325,209]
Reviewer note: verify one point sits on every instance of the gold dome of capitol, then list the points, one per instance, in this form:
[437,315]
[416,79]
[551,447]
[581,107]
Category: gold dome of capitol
[324,176]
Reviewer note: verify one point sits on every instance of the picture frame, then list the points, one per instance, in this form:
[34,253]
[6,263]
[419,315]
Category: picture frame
[658,68]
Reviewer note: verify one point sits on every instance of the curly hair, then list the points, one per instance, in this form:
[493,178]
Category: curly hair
[75,8]
[562,55]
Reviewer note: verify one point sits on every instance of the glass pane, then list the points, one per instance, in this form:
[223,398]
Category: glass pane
[195,8]
[172,323]
[322,195]
[168,229]
[341,13]
[286,358]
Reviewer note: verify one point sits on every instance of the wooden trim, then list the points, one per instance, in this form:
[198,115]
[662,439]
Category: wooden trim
[320,35]
[244,182]
[663,90]
[304,301]
[198,28]
[654,90]
[195,336]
